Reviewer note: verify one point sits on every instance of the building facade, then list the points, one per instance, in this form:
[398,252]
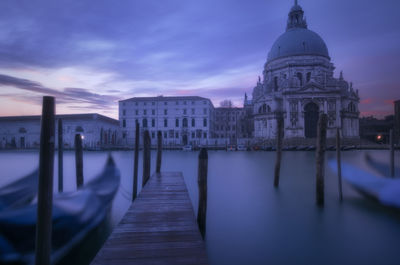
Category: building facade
[24,131]
[182,120]
[230,124]
[298,84]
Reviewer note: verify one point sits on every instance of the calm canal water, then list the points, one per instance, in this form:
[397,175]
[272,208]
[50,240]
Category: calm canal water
[250,222]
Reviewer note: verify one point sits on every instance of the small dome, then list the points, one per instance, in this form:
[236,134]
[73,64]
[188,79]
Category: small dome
[298,41]
[296,8]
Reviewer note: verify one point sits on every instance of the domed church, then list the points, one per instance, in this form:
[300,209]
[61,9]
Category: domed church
[298,85]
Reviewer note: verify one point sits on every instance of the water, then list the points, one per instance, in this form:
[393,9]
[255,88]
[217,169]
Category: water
[248,220]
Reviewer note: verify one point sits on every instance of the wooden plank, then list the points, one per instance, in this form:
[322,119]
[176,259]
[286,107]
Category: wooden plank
[159,227]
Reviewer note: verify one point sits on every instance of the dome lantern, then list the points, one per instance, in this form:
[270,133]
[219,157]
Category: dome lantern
[296,17]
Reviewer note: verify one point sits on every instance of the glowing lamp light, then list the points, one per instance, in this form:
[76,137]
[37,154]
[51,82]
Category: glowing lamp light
[82,137]
[379,137]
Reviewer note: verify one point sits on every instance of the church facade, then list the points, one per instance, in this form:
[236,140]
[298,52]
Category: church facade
[298,84]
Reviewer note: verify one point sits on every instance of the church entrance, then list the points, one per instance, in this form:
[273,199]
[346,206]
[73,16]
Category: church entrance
[311,115]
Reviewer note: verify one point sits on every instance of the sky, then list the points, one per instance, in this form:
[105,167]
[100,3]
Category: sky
[90,54]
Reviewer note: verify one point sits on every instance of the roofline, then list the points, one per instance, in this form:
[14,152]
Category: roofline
[161,98]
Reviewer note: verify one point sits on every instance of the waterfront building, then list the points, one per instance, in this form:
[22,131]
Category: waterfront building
[24,131]
[376,130]
[230,124]
[182,120]
[298,84]
[397,121]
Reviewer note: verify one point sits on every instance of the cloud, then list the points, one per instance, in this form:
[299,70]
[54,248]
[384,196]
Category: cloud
[66,96]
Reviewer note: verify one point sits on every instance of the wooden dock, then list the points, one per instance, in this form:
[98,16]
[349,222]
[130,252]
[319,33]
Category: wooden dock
[159,227]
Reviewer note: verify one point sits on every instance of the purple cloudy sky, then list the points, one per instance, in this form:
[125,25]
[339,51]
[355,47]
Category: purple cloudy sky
[90,54]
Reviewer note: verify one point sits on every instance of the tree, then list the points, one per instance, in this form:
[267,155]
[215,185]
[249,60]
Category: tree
[227,103]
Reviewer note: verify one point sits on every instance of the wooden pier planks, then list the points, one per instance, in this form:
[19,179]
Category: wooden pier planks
[159,227]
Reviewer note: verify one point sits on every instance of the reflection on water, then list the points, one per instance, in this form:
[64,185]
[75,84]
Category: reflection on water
[250,222]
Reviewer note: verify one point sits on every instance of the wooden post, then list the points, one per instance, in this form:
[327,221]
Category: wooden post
[339,163]
[278,151]
[60,156]
[391,154]
[159,151]
[136,163]
[146,157]
[45,188]
[320,158]
[78,160]
[202,184]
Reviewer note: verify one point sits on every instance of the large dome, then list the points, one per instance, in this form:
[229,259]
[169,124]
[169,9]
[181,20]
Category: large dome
[298,41]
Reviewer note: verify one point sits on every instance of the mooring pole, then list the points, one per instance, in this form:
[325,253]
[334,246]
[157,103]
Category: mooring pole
[45,188]
[136,163]
[339,163]
[278,151]
[146,157]
[320,158]
[391,153]
[202,184]
[78,160]
[159,151]
[60,156]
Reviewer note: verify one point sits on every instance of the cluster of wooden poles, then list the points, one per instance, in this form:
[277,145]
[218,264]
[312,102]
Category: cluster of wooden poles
[201,180]
[320,157]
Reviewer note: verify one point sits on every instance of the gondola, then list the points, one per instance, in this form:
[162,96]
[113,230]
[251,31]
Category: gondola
[380,167]
[19,192]
[384,190]
[74,215]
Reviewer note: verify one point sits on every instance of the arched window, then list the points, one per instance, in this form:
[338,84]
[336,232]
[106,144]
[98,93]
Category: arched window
[144,123]
[78,129]
[264,108]
[177,123]
[276,83]
[193,122]
[260,110]
[185,122]
[268,108]
[308,77]
[165,123]
[300,77]
[351,107]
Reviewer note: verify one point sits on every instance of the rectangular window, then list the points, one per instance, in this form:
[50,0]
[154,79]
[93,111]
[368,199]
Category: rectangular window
[136,112]
[136,103]
[124,112]
[153,112]
[144,112]
[165,123]
[153,135]
[205,135]
[124,123]
[165,103]
[193,135]
[205,111]
[165,135]
[165,112]
[153,123]
[192,102]
[192,111]
[177,123]
[184,111]
[176,135]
